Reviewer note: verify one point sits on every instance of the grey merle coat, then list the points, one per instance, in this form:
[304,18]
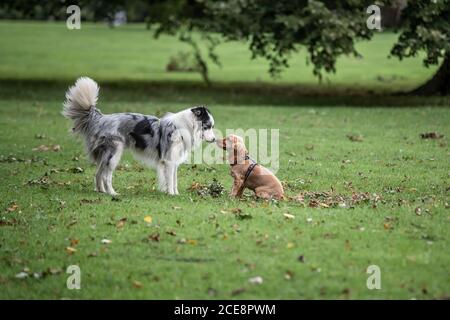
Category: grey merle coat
[160,143]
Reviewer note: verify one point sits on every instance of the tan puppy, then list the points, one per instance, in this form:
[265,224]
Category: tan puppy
[247,173]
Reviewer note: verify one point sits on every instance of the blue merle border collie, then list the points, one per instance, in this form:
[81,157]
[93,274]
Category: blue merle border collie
[162,143]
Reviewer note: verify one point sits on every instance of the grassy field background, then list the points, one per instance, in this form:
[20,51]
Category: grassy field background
[49,51]
[204,247]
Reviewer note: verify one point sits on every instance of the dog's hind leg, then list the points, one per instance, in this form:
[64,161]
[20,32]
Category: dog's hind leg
[99,187]
[111,163]
[106,154]
[263,194]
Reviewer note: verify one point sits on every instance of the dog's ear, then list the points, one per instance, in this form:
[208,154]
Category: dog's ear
[198,111]
[222,143]
[240,150]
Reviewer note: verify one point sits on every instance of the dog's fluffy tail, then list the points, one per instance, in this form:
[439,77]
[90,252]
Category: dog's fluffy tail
[81,100]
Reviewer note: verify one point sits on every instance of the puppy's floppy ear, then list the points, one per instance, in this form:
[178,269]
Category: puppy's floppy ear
[222,143]
[240,150]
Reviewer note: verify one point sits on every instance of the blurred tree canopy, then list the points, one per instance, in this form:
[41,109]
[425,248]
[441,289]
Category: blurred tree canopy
[426,27]
[275,30]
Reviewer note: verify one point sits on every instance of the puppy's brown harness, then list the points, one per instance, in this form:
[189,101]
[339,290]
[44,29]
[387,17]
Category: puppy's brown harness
[250,168]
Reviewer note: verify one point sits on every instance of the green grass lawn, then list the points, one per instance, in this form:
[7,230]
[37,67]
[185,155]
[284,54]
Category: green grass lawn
[51,51]
[204,247]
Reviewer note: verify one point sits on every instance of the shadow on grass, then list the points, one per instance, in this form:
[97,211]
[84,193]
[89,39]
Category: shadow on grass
[195,93]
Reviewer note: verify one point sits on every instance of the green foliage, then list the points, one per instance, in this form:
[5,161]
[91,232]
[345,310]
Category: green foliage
[327,29]
[276,30]
[426,27]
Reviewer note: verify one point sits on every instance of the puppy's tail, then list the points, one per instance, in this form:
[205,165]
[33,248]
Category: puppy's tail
[80,103]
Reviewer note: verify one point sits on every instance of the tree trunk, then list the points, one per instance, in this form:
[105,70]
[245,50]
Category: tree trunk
[439,84]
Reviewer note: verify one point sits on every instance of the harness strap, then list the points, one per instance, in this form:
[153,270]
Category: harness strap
[250,169]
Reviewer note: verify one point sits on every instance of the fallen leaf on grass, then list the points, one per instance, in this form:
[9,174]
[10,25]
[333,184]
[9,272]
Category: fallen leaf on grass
[195,186]
[21,275]
[154,237]
[74,242]
[77,170]
[10,222]
[238,291]
[44,148]
[355,137]
[288,216]
[288,275]
[70,250]
[121,223]
[148,219]
[137,284]
[14,206]
[240,214]
[431,135]
[53,271]
[90,201]
[71,223]
[256,280]
[418,211]
[243,216]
